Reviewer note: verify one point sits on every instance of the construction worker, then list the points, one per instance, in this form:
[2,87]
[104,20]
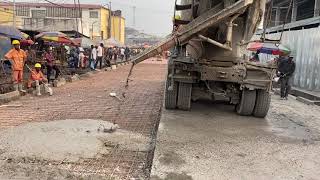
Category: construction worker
[37,78]
[17,58]
[286,69]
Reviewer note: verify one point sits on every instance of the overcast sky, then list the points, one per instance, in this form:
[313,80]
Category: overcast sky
[152,16]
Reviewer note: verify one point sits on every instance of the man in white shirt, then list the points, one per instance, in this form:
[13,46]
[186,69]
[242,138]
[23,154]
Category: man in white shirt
[122,53]
[99,55]
[93,57]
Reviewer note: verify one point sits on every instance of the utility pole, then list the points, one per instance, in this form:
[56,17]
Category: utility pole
[110,20]
[14,13]
[75,9]
[80,16]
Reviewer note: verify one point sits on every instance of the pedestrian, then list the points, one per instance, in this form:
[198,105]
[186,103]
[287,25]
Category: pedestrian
[255,56]
[122,50]
[286,69]
[73,58]
[76,57]
[17,58]
[127,53]
[93,57]
[50,59]
[99,56]
[107,57]
[110,53]
[37,79]
[81,58]
[115,54]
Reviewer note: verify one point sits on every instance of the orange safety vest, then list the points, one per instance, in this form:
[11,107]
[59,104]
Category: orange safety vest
[17,58]
[35,76]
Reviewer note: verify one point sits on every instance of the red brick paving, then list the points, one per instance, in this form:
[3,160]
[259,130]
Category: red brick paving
[89,99]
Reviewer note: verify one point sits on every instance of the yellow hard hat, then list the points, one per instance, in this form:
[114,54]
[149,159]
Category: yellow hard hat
[15,42]
[177,17]
[37,65]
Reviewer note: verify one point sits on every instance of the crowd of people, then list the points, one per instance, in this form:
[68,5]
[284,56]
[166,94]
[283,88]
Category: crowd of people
[93,58]
[98,56]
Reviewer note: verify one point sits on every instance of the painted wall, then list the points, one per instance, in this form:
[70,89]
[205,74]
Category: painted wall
[104,20]
[118,28]
[6,14]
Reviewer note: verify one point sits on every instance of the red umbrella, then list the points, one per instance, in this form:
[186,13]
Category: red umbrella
[56,37]
[268,48]
[26,42]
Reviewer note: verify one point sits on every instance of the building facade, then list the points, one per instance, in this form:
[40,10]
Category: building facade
[118,27]
[7,16]
[301,13]
[91,20]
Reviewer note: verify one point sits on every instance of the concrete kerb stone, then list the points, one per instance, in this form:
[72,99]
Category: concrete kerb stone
[87,74]
[307,101]
[108,69]
[60,82]
[73,78]
[114,67]
[7,97]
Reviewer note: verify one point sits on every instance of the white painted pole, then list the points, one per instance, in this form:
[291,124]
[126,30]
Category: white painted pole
[14,13]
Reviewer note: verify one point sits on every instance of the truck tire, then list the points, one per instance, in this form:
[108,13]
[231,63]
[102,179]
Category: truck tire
[262,104]
[247,102]
[184,96]
[170,100]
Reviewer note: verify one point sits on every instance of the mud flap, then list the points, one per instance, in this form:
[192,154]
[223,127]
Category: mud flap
[184,96]
[170,101]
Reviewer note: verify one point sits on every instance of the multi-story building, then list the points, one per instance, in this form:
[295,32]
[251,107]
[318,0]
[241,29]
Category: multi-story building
[94,21]
[7,16]
[302,14]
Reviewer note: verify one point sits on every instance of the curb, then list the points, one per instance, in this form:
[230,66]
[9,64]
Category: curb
[8,97]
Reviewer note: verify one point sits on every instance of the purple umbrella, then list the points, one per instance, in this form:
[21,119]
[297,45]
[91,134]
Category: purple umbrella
[10,32]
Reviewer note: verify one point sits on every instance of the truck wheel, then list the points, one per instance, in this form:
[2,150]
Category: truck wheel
[184,96]
[247,102]
[262,104]
[170,101]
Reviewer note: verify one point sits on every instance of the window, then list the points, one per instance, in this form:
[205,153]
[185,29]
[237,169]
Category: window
[94,14]
[38,13]
[27,22]
[22,11]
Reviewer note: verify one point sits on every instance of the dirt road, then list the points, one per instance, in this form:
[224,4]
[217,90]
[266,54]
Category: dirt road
[68,136]
[212,142]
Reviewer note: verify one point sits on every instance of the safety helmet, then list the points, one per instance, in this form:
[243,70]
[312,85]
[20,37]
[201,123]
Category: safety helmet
[37,65]
[15,42]
[177,17]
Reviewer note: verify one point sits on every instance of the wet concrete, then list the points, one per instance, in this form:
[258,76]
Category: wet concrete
[212,142]
[67,140]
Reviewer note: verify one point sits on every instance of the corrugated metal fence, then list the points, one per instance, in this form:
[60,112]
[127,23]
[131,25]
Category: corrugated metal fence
[305,47]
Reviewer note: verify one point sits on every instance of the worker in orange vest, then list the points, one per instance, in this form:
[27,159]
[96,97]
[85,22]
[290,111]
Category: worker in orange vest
[38,79]
[17,58]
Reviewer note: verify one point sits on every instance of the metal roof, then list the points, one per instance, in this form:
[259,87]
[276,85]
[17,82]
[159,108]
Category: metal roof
[84,6]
